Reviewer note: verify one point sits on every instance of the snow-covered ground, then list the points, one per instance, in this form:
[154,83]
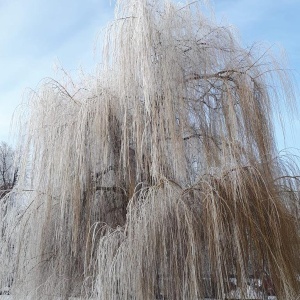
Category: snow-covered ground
[5,297]
[251,293]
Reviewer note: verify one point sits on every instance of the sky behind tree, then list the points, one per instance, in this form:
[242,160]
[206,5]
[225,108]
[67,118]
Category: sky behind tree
[39,35]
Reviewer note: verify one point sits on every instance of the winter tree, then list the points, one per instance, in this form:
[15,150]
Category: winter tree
[158,177]
[8,172]
[8,211]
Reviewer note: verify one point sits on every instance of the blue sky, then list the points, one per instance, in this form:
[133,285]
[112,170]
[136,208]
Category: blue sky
[37,34]
[275,23]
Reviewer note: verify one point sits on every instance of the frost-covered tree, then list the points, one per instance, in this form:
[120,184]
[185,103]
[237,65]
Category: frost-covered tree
[157,178]
[8,211]
[8,172]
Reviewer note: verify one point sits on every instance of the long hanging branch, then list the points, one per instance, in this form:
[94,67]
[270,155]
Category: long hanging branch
[158,178]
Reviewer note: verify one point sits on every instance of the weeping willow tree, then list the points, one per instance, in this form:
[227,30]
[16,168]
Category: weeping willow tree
[157,178]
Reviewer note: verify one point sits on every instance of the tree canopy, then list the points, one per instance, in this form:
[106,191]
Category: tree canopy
[158,177]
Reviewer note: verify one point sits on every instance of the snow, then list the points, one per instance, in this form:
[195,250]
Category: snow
[250,294]
[5,297]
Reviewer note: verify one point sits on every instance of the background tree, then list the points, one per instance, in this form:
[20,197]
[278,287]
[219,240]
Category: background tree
[8,173]
[8,179]
[159,177]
